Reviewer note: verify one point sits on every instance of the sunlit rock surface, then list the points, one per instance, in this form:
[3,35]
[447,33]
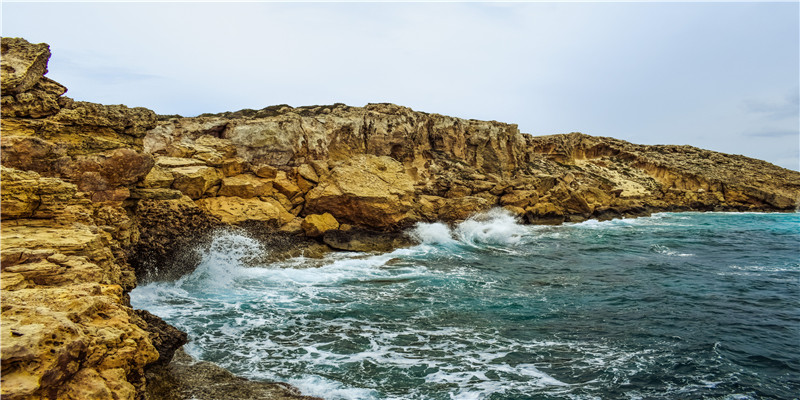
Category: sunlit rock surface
[95,196]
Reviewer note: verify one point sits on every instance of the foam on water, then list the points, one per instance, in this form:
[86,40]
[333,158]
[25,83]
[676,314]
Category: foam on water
[486,308]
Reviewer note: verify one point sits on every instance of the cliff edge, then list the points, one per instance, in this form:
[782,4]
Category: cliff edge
[96,197]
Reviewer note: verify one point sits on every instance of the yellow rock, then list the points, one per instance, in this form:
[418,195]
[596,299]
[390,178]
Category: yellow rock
[235,210]
[317,224]
[367,190]
[194,181]
[245,186]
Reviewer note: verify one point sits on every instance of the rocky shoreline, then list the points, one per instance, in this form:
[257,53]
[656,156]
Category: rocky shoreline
[96,197]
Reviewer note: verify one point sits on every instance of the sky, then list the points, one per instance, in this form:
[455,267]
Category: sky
[721,76]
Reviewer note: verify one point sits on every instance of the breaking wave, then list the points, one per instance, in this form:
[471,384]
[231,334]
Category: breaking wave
[659,307]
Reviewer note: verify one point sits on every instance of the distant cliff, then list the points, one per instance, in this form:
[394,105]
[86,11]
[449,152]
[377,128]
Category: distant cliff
[95,195]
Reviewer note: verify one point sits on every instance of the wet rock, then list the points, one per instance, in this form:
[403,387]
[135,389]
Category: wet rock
[187,378]
[366,240]
[165,337]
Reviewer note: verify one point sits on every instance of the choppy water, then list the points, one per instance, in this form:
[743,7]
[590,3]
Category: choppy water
[673,306]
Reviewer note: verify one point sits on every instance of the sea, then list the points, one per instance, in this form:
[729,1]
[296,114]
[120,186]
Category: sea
[670,306]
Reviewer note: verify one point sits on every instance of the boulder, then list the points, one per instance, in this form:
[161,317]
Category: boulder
[236,210]
[245,186]
[366,190]
[23,64]
[366,240]
[194,181]
[316,225]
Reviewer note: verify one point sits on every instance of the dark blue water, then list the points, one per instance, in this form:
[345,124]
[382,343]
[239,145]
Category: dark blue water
[673,306]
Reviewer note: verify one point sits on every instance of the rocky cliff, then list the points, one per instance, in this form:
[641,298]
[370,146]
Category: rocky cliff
[94,196]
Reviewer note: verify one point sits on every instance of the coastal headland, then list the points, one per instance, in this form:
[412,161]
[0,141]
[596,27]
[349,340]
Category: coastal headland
[96,198]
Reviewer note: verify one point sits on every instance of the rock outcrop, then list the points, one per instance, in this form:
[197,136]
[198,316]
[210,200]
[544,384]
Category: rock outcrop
[68,330]
[95,197]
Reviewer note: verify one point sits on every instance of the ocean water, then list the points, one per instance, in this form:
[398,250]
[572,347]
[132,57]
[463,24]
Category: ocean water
[672,306]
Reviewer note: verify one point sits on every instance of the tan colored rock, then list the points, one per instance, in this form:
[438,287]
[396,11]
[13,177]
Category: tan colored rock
[176,162]
[233,166]
[158,177]
[285,185]
[519,198]
[212,157]
[235,210]
[245,186]
[316,225]
[304,185]
[19,196]
[39,101]
[194,181]
[462,208]
[366,190]
[65,341]
[23,64]
[308,173]
[224,147]
[265,171]
[25,194]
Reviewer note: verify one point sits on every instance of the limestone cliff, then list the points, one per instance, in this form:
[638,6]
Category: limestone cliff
[94,196]
[384,166]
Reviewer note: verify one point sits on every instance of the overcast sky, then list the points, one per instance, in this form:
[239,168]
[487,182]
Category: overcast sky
[722,76]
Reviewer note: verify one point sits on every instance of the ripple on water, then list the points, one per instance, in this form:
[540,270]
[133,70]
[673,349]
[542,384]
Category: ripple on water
[670,306]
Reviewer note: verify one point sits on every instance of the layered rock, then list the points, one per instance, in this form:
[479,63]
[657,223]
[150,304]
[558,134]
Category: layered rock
[96,196]
[385,166]
[68,331]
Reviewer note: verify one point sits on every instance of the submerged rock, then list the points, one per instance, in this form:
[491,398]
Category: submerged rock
[188,378]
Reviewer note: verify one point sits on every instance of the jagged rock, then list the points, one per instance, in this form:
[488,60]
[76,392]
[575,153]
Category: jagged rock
[366,240]
[245,186]
[158,177]
[166,338]
[235,210]
[194,181]
[61,342]
[316,225]
[368,190]
[308,173]
[187,378]
[265,171]
[39,101]
[177,162]
[23,64]
[234,166]
[286,186]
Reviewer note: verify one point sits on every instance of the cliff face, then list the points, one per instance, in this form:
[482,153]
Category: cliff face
[385,166]
[94,196]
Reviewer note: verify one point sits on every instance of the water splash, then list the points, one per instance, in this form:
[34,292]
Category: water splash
[494,228]
[225,258]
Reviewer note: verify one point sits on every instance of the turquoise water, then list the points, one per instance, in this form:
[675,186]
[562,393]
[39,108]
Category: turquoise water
[672,306]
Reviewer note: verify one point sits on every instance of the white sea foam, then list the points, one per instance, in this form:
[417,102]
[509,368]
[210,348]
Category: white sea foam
[223,260]
[493,228]
[661,249]
[313,385]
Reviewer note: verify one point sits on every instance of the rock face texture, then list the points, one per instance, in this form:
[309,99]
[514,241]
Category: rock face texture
[385,166]
[95,197]
[68,331]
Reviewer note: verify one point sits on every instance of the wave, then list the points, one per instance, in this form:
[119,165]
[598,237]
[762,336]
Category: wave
[496,228]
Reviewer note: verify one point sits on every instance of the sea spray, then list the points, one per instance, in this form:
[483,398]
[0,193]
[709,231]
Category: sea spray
[493,309]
